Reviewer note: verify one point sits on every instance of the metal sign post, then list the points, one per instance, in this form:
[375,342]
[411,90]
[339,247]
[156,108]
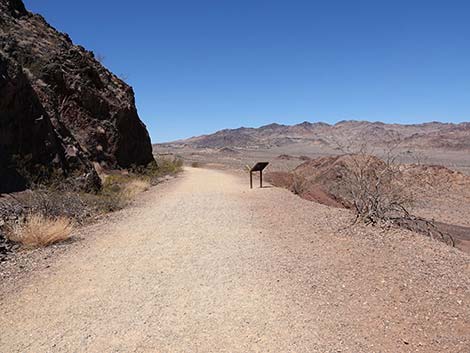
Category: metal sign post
[258,167]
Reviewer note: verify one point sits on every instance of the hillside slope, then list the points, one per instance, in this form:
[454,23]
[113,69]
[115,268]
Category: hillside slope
[60,109]
[427,135]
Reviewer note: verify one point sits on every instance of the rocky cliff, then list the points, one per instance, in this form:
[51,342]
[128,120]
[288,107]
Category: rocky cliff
[61,111]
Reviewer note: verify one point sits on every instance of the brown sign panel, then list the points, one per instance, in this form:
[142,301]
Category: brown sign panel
[258,167]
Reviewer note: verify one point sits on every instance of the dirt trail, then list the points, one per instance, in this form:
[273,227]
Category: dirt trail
[203,264]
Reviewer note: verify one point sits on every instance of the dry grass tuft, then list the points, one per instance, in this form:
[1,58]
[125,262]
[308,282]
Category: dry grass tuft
[39,231]
[134,187]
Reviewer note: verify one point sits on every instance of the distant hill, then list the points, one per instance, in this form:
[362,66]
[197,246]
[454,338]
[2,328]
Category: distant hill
[427,135]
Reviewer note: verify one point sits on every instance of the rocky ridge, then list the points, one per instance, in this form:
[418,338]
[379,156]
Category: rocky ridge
[61,110]
[433,135]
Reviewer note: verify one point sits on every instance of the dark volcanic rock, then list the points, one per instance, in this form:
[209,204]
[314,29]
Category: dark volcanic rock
[6,247]
[60,109]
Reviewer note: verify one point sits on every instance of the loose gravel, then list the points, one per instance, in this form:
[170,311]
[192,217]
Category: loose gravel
[203,264]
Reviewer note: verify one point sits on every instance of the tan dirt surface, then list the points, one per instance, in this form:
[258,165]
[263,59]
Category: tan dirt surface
[203,264]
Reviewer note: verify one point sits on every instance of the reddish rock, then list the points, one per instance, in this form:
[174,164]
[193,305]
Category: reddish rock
[60,109]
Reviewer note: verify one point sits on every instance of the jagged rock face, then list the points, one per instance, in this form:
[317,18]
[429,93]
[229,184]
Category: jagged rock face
[60,109]
[25,130]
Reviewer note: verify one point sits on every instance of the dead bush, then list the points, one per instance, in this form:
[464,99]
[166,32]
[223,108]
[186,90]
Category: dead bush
[376,189]
[39,230]
[380,192]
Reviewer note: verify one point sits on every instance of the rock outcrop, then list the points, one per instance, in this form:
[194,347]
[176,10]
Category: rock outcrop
[327,180]
[60,109]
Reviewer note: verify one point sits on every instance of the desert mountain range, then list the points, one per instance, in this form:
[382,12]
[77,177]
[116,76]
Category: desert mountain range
[427,135]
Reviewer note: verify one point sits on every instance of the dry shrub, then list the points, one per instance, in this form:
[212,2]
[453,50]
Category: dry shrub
[118,190]
[372,187]
[376,188]
[195,164]
[39,230]
[54,203]
[135,187]
[162,166]
[128,185]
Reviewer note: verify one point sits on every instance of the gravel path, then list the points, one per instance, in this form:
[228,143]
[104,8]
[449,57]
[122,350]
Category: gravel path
[202,264]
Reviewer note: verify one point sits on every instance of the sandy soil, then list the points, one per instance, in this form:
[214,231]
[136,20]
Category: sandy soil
[203,264]
[445,202]
[456,160]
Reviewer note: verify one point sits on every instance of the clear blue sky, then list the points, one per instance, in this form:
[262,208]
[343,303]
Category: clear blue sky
[202,65]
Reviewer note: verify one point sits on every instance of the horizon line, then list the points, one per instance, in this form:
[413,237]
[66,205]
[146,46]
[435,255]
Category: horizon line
[316,122]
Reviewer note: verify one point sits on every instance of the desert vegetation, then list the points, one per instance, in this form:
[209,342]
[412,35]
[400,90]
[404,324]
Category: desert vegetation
[46,213]
[375,188]
[38,230]
[371,169]
[379,191]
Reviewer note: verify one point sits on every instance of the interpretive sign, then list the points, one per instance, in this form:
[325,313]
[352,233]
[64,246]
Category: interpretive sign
[258,167]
